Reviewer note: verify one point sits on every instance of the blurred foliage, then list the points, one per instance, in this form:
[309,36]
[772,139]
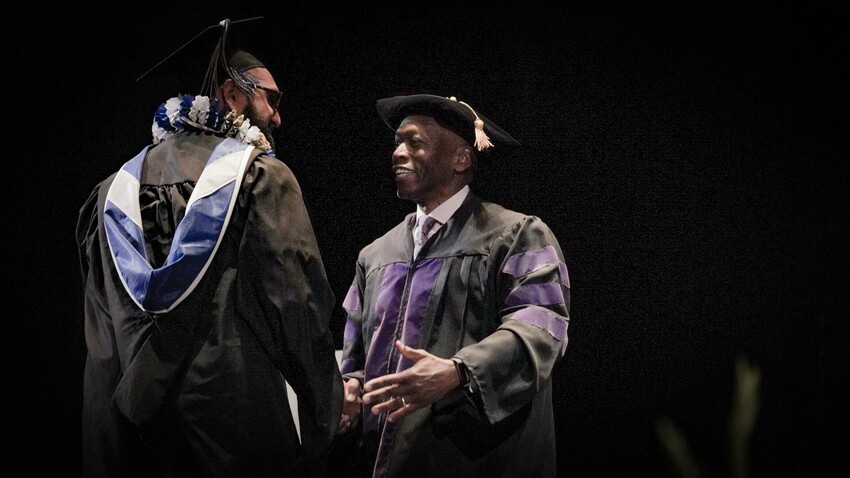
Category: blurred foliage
[742,421]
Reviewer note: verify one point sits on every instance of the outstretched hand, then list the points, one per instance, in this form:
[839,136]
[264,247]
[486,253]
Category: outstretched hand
[428,380]
[351,406]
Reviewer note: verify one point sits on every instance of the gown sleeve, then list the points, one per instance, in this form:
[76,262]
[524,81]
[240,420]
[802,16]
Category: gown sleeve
[531,288]
[354,354]
[286,297]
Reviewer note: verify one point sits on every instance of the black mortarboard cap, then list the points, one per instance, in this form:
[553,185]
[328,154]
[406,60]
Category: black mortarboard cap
[456,115]
[242,61]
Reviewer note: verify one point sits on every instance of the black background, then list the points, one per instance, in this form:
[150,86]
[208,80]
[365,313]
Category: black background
[692,158]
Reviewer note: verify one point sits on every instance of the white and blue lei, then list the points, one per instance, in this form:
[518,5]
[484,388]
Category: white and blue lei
[198,114]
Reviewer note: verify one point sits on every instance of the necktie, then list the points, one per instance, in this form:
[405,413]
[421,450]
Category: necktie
[425,224]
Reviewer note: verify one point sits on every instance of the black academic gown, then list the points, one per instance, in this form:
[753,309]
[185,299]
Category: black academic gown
[489,288]
[199,390]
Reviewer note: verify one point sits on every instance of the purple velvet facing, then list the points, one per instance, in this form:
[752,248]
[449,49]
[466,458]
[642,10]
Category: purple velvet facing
[352,299]
[547,320]
[536,294]
[381,357]
[352,327]
[526,262]
[386,318]
[421,287]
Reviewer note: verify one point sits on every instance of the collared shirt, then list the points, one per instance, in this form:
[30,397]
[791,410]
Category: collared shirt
[443,212]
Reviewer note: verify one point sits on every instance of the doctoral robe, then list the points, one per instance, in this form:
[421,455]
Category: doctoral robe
[490,288]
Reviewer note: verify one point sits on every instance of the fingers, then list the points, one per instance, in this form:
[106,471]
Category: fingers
[385,394]
[351,398]
[350,406]
[344,424]
[379,394]
[409,352]
[393,393]
[397,407]
[404,408]
[386,382]
[352,390]
[397,378]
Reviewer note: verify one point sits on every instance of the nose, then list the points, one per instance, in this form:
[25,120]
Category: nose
[276,121]
[399,154]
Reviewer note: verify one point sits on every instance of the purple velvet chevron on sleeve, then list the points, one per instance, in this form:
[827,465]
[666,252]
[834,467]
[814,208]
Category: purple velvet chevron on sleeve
[539,298]
[547,320]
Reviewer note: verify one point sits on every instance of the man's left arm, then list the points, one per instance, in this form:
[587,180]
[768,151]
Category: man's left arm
[507,368]
[287,298]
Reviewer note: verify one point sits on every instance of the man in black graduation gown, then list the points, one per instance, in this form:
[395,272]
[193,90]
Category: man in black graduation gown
[205,293]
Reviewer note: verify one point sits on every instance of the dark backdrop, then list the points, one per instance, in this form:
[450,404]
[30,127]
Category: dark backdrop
[691,158]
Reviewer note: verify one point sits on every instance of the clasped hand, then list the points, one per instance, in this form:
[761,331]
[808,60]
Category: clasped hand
[350,406]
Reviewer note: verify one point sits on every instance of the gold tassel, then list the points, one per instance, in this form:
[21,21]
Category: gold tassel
[482,141]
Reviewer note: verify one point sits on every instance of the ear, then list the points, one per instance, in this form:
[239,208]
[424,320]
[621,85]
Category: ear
[463,159]
[231,95]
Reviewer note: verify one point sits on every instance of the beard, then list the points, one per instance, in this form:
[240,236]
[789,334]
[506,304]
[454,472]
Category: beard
[265,126]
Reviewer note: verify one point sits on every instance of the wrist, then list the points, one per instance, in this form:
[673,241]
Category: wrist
[463,375]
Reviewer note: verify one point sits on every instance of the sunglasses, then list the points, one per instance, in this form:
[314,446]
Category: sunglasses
[272,96]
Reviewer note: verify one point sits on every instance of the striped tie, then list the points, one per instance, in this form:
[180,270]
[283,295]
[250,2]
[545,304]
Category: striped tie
[424,226]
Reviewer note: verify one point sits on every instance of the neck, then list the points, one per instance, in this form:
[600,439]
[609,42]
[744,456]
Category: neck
[429,205]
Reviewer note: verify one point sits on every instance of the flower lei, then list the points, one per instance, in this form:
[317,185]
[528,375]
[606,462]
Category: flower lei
[196,113]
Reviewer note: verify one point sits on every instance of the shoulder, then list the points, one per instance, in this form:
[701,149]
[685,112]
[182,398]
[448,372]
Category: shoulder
[390,242]
[269,169]
[498,220]
[499,214]
[271,163]
[400,230]
[507,226]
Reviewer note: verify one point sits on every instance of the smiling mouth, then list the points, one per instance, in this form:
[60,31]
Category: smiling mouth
[402,172]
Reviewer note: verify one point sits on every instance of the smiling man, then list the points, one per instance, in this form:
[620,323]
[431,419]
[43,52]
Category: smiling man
[457,316]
